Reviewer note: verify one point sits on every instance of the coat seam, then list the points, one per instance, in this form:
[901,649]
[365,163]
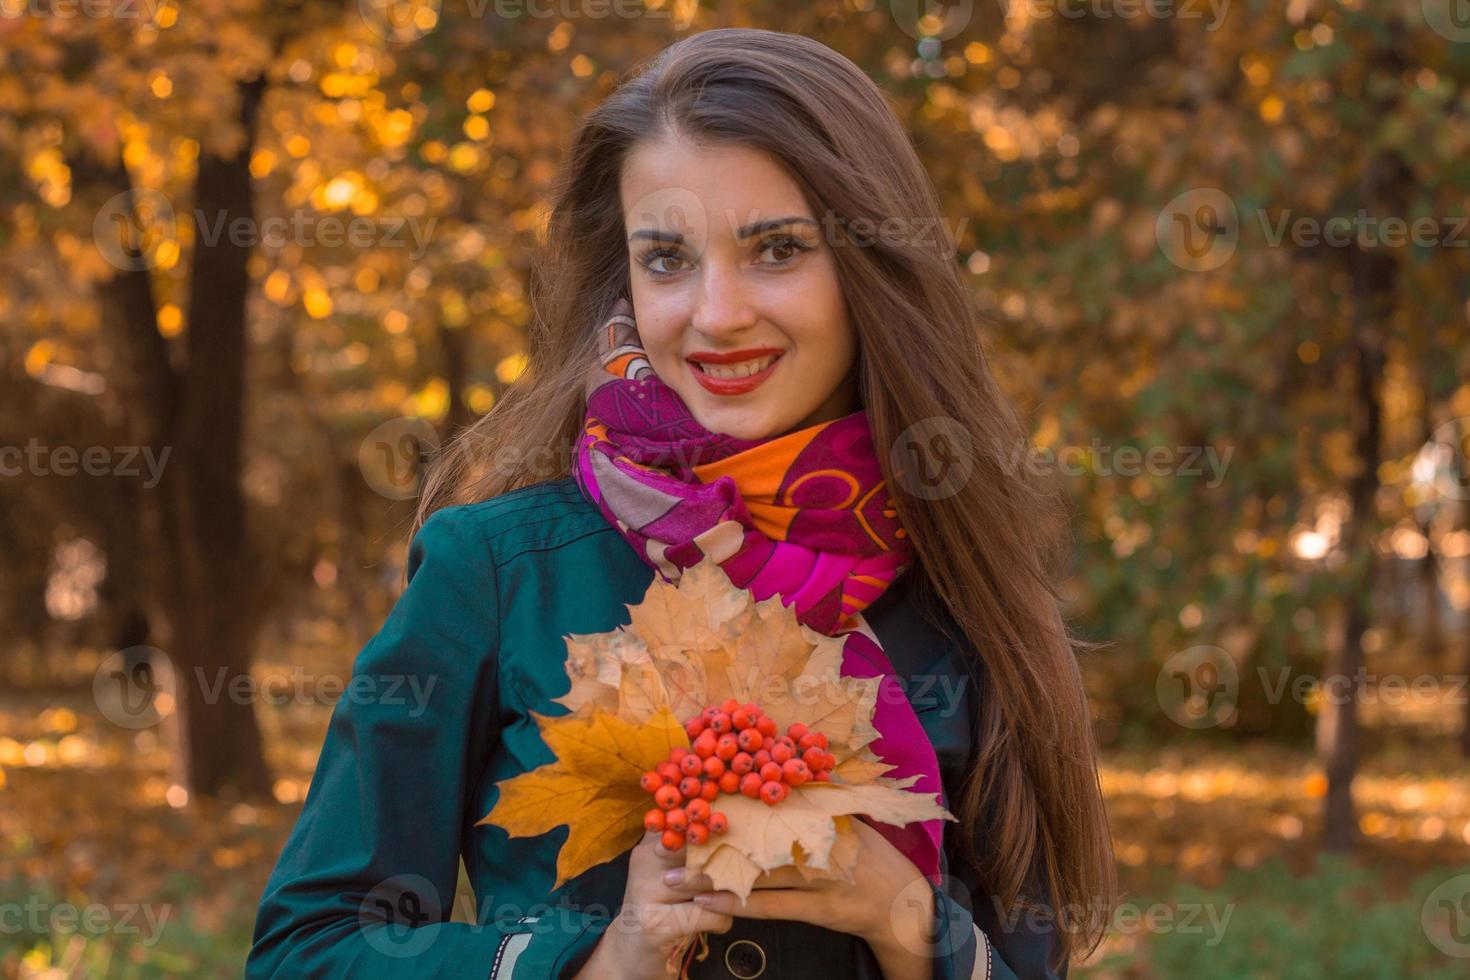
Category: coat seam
[524,707]
[594,521]
[509,691]
[486,510]
[555,542]
[497,707]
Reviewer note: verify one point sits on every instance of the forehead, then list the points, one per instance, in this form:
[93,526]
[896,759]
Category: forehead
[675,180]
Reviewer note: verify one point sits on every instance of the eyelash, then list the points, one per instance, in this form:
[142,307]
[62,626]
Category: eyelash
[647,259]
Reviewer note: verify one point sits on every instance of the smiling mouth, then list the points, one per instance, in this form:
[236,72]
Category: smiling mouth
[740,369]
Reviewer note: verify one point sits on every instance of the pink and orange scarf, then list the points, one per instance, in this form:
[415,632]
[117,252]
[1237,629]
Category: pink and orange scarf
[805,515]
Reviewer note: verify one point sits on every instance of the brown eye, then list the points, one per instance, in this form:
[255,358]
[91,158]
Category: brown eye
[785,249]
[651,260]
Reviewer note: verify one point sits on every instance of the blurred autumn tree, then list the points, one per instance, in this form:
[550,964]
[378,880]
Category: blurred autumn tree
[94,163]
[147,160]
[1322,370]
[1080,157]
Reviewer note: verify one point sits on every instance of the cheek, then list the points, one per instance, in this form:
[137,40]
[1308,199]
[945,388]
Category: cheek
[658,321]
[829,336]
[826,312]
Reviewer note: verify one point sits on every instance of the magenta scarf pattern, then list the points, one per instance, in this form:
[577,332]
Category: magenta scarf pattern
[635,461]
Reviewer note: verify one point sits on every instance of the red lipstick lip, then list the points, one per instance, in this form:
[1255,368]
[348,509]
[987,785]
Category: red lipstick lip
[734,356]
[733,386]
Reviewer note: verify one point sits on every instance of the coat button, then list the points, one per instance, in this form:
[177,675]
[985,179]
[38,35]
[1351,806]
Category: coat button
[745,959]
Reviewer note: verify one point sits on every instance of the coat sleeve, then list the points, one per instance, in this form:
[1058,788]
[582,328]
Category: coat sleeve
[980,941]
[974,935]
[365,883]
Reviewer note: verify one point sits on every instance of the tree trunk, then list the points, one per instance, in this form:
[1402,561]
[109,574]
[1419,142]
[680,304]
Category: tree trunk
[1338,734]
[210,564]
[201,568]
[452,342]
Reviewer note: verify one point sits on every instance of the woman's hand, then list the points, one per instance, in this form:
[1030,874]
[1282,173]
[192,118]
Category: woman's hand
[656,916]
[888,904]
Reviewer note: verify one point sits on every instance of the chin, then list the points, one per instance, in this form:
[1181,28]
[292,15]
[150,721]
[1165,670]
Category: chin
[741,425]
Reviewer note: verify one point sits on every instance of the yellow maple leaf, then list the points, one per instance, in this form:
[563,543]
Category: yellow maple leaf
[599,759]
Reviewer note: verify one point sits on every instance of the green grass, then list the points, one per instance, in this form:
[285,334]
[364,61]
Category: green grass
[1263,924]
[1334,924]
[186,936]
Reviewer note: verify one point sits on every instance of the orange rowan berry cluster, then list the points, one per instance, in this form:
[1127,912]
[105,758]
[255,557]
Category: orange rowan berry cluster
[736,750]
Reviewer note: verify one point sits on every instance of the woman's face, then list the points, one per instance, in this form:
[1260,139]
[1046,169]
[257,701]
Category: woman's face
[734,287]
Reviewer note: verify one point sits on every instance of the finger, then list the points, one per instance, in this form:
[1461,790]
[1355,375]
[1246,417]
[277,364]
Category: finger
[768,903]
[686,882]
[687,918]
[676,885]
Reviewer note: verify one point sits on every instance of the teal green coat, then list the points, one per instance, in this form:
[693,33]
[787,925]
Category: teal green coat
[438,711]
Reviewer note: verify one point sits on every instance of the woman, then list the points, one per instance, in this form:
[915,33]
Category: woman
[747,287]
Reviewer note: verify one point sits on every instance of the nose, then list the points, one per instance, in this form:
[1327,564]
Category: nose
[723,307]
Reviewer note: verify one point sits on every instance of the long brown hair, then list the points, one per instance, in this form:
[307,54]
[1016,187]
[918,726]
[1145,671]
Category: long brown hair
[989,548]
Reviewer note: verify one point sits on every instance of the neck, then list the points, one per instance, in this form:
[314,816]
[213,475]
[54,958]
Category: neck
[842,401]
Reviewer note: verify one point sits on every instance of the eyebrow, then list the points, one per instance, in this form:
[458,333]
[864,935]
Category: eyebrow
[754,228]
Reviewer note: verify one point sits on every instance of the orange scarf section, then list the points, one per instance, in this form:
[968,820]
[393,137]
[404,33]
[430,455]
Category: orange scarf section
[759,472]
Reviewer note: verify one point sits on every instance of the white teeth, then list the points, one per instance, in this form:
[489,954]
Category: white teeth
[743,369]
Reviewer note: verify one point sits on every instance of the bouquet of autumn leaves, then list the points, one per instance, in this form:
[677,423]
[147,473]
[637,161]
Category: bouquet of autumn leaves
[724,724]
